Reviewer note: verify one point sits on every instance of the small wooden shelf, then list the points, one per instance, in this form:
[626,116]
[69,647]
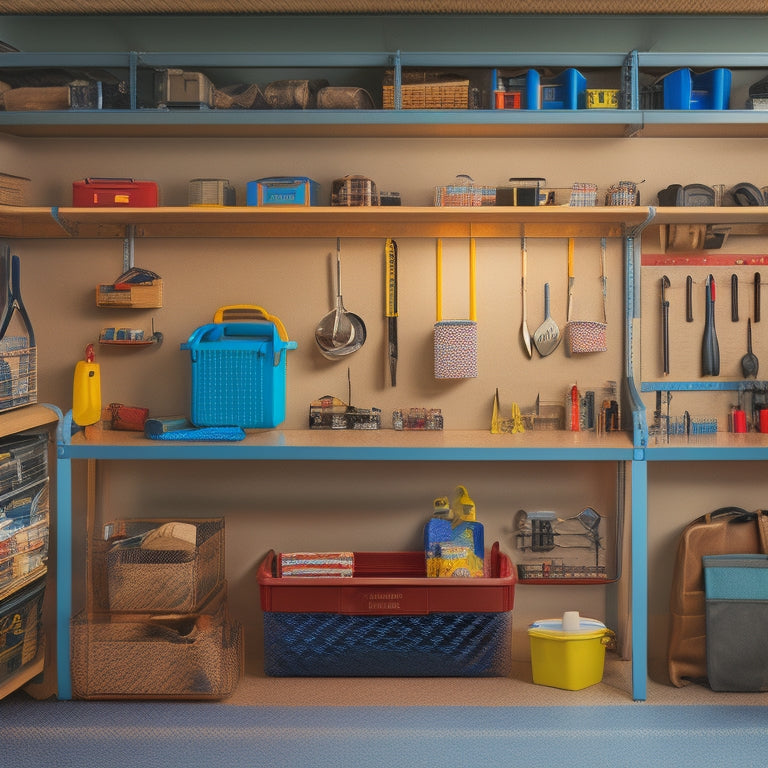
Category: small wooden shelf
[28,417]
[22,676]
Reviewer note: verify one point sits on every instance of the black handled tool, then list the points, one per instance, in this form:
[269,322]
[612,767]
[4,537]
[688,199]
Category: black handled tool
[689,299]
[756,313]
[391,308]
[710,350]
[665,322]
[734,298]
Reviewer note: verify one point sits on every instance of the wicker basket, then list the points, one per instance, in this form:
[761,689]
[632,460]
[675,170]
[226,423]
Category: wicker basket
[427,90]
[160,579]
[172,656]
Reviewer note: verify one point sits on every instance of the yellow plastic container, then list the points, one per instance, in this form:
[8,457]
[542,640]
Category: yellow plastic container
[602,98]
[571,658]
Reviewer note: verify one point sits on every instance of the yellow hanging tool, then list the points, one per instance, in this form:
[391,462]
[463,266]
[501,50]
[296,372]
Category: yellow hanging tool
[86,391]
[391,307]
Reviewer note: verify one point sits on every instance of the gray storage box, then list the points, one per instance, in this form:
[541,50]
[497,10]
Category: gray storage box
[736,594]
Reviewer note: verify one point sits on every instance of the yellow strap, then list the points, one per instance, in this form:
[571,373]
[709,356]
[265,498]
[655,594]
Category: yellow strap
[439,279]
[251,311]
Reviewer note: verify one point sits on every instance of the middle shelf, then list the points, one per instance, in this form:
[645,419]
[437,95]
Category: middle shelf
[377,445]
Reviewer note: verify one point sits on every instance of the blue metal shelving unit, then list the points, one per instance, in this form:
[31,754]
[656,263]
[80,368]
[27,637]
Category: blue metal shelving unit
[631,121]
[625,68]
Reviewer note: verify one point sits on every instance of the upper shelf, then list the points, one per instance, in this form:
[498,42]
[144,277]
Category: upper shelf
[365,221]
[411,123]
[621,71]
[325,221]
[406,123]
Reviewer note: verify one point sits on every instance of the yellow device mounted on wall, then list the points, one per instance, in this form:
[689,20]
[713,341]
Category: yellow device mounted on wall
[86,390]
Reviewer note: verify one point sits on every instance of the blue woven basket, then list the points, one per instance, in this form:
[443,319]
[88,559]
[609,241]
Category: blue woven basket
[434,645]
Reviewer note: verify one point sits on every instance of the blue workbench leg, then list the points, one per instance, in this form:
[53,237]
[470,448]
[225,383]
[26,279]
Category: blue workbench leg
[63,574]
[639,556]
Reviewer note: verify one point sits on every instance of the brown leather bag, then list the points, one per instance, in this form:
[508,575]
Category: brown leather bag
[729,530]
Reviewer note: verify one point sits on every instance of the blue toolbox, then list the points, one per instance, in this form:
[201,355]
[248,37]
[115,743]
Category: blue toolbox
[282,190]
[238,369]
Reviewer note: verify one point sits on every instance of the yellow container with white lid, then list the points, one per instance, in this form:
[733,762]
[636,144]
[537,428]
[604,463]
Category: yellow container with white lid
[569,653]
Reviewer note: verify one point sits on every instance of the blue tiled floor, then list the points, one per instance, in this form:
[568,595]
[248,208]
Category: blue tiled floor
[203,735]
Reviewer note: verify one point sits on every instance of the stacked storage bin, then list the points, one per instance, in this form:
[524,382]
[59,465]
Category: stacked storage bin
[157,624]
[388,619]
[23,549]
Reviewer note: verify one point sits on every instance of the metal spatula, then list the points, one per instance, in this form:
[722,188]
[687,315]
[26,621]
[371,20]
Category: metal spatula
[547,335]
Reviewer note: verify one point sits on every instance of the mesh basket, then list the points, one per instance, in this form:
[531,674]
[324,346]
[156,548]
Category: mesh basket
[583,194]
[436,645]
[623,193]
[169,657]
[149,569]
[24,537]
[464,192]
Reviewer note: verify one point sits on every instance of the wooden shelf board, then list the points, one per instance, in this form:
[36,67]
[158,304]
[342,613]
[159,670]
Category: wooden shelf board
[320,221]
[28,417]
[22,676]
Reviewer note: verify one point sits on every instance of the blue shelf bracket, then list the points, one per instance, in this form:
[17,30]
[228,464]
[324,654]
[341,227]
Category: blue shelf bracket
[69,227]
[632,322]
[398,81]
[630,89]
[133,66]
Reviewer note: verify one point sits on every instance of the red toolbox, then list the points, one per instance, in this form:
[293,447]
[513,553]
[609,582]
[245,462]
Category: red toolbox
[388,620]
[114,193]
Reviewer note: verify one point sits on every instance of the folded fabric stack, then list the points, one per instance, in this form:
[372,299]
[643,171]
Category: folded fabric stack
[317,564]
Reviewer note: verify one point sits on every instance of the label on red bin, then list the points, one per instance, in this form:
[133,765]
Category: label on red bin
[383,600]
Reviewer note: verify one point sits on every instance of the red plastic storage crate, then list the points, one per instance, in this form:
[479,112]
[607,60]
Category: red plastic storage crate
[388,620]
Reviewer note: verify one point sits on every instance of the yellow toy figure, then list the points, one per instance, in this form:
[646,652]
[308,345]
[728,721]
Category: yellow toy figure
[454,540]
[436,531]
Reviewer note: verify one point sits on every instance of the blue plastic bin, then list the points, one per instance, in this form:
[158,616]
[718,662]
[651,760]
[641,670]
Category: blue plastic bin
[238,374]
[564,91]
[282,190]
[685,90]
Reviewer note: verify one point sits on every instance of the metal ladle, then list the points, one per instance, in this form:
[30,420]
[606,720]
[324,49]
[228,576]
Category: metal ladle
[358,332]
[359,336]
[335,329]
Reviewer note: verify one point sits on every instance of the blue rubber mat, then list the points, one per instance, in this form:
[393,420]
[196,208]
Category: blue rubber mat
[204,735]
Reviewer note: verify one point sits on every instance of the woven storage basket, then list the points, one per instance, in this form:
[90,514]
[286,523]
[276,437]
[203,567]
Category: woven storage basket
[388,620]
[170,656]
[167,579]
[427,90]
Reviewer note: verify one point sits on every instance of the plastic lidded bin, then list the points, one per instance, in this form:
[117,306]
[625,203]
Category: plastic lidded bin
[571,659]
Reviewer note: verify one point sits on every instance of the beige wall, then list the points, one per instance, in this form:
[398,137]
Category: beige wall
[363,506]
